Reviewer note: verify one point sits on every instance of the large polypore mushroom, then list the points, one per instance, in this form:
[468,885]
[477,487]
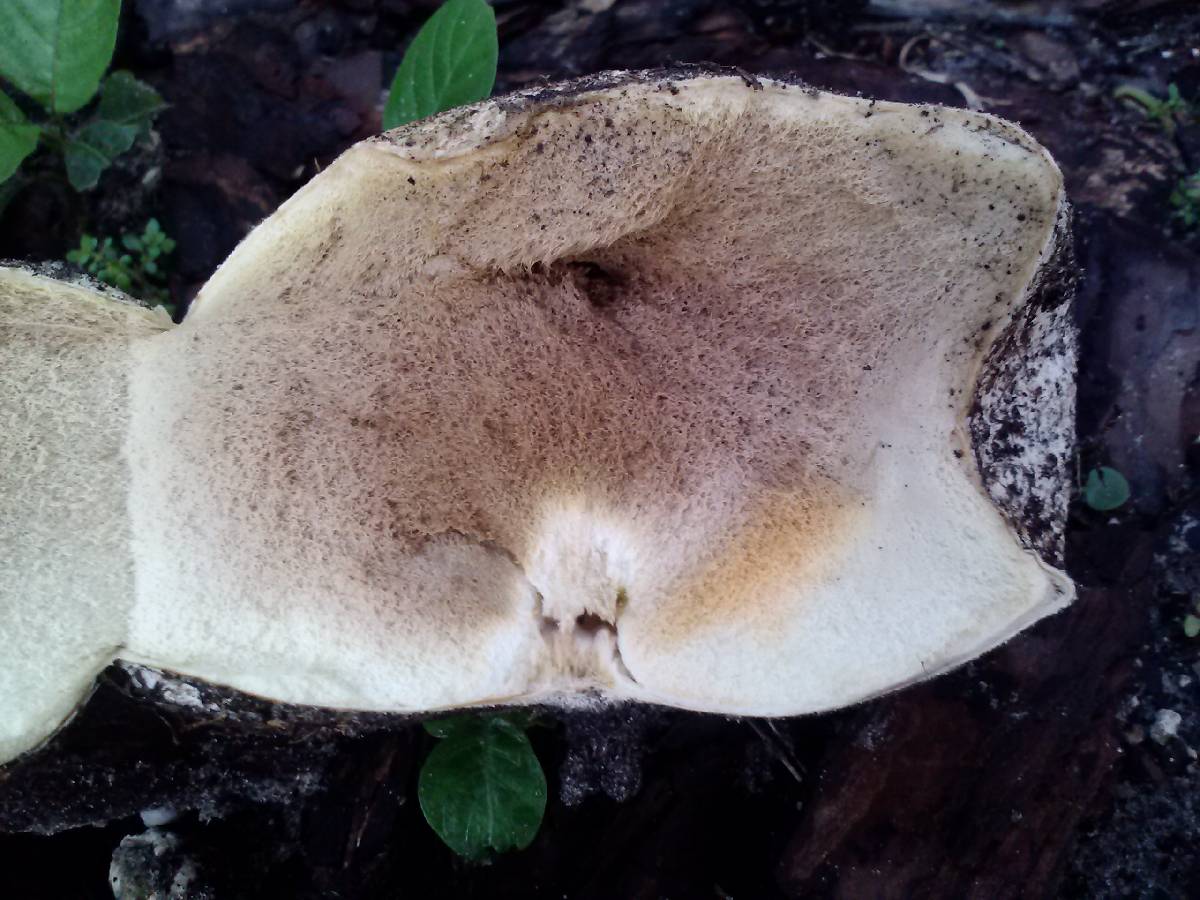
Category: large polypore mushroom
[675,387]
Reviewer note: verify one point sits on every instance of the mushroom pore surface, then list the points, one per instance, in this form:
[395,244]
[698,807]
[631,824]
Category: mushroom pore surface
[644,387]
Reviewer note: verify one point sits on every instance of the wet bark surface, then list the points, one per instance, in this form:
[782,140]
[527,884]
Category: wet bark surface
[1062,764]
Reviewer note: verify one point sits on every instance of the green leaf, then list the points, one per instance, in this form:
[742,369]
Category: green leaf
[85,252]
[1106,489]
[92,149]
[18,137]
[128,101]
[451,61]
[450,725]
[56,50]
[482,788]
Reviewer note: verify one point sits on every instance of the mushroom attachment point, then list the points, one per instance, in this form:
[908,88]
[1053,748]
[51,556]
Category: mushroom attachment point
[657,386]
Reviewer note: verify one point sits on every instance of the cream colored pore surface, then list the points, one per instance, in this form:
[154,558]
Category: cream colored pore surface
[657,391]
[66,575]
[691,348]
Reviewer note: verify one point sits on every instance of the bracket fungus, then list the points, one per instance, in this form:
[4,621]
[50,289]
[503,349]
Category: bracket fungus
[673,386]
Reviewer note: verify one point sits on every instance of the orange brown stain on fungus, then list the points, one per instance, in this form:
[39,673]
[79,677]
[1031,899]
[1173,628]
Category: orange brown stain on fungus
[786,541]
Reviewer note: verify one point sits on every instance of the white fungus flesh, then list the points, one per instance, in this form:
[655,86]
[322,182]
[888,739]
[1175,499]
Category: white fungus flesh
[646,387]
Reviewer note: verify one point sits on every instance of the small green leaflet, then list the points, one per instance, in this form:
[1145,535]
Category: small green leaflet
[56,50]
[482,788]
[451,62]
[18,137]
[91,149]
[128,101]
[1105,489]
[127,107]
